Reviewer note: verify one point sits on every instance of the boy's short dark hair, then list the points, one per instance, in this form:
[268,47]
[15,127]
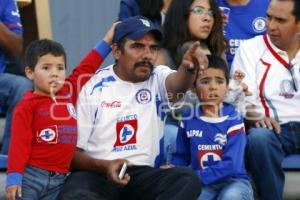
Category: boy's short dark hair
[39,48]
[218,63]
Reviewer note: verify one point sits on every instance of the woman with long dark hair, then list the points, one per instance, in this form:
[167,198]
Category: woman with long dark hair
[193,20]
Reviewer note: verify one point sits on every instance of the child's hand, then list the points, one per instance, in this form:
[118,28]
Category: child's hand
[13,191]
[108,38]
[246,89]
[238,75]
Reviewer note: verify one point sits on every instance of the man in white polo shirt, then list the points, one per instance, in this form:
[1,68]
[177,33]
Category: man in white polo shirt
[271,64]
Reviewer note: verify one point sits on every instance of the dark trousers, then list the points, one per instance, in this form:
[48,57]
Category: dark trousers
[146,183]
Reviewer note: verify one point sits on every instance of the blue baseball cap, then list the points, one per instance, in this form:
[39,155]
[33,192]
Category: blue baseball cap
[135,28]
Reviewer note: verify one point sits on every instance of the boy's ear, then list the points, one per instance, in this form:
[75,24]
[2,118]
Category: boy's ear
[29,73]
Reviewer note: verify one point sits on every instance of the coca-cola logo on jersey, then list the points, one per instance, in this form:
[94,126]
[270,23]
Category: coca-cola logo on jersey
[114,104]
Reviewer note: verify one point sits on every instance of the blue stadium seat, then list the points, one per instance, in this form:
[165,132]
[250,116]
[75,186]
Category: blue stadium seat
[292,162]
[3,161]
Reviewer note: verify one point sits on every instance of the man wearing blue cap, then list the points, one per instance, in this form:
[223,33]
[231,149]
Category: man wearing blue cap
[121,113]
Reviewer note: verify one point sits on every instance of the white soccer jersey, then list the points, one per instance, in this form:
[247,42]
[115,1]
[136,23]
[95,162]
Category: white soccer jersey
[269,77]
[120,119]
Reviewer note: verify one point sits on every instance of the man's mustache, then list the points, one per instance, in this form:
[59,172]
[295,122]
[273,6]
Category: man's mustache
[144,63]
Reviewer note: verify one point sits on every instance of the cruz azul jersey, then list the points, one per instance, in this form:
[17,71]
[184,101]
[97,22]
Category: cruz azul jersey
[213,146]
[245,22]
[120,119]
[269,76]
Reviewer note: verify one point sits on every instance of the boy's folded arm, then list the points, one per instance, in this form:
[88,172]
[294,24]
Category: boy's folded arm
[14,178]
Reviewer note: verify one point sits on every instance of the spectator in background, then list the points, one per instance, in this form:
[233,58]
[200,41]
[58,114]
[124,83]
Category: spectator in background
[198,20]
[246,19]
[212,138]
[12,87]
[155,10]
[192,20]
[271,63]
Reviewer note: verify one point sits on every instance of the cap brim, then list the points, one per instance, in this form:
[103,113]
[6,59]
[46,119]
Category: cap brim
[139,34]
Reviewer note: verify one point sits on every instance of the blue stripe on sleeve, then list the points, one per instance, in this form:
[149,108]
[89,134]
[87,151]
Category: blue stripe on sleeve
[14,179]
[103,48]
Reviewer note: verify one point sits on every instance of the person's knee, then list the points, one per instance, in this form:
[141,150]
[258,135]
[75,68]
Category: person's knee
[260,136]
[188,176]
[237,195]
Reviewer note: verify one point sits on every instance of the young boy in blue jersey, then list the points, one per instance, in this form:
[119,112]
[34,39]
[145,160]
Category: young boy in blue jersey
[212,138]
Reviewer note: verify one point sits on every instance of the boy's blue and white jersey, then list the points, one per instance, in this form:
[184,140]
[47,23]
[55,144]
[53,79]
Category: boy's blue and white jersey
[213,146]
[120,119]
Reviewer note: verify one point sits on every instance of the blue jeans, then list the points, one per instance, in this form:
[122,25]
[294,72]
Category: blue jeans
[230,189]
[265,153]
[12,88]
[170,135]
[39,184]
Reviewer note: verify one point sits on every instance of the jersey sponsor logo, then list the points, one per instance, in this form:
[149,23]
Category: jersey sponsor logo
[48,135]
[143,96]
[287,89]
[259,24]
[67,134]
[126,130]
[72,110]
[194,133]
[221,139]
[208,158]
[114,104]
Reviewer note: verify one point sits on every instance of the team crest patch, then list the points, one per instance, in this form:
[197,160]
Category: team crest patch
[207,158]
[72,110]
[287,89]
[126,130]
[48,135]
[145,22]
[259,24]
[143,96]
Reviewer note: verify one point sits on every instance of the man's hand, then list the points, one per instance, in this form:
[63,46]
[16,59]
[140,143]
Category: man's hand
[113,169]
[269,123]
[194,59]
[12,191]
